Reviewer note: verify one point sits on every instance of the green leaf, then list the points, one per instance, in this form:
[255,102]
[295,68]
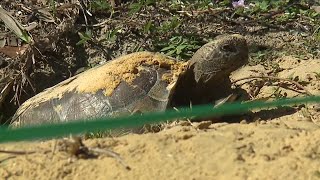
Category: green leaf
[167,48]
[14,26]
[171,52]
[134,8]
[264,5]
[82,41]
[147,27]
[111,35]
[150,2]
[100,5]
[84,37]
[180,48]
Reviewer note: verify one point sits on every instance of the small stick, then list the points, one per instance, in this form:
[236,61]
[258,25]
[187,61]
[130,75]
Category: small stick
[17,152]
[29,81]
[7,158]
[111,154]
[276,78]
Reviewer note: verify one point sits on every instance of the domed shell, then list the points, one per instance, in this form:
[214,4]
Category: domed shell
[135,83]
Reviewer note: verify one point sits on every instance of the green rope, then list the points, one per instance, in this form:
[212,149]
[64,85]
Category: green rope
[75,127]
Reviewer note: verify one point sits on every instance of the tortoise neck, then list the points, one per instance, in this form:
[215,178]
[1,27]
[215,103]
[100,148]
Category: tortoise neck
[188,90]
[183,93]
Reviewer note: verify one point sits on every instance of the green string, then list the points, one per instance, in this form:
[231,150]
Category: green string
[76,127]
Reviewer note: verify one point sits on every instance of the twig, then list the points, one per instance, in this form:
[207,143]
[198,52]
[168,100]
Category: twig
[17,152]
[24,75]
[7,158]
[102,23]
[111,154]
[84,11]
[276,78]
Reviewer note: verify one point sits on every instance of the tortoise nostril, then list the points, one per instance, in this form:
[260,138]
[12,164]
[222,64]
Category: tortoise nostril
[229,48]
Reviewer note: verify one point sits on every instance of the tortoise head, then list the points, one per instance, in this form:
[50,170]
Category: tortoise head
[217,59]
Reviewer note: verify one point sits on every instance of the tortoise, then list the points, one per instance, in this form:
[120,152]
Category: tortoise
[137,83]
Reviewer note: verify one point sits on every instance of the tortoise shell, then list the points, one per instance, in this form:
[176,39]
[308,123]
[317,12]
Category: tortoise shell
[133,83]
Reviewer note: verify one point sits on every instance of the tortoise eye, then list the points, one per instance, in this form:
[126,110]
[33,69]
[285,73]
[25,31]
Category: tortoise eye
[229,48]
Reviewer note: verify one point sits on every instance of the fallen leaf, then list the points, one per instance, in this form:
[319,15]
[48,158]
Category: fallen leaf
[45,15]
[12,51]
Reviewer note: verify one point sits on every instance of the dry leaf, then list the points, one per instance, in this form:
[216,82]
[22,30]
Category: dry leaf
[13,52]
[45,15]
[2,39]
[31,26]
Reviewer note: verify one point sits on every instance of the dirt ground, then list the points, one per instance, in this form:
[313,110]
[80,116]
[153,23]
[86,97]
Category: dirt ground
[277,144]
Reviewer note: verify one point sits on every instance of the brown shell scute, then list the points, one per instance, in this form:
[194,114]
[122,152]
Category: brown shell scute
[107,77]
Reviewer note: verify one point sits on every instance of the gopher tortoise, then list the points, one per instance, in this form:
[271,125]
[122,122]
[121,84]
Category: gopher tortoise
[137,83]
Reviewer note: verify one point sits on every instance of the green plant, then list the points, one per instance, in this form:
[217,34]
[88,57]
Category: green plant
[52,6]
[224,3]
[179,47]
[15,26]
[100,5]
[148,27]
[316,34]
[262,6]
[138,6]
[190,4]
[84,37]
[170,25]
[111,35]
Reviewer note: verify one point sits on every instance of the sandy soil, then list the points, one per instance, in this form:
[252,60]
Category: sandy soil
[272,146]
